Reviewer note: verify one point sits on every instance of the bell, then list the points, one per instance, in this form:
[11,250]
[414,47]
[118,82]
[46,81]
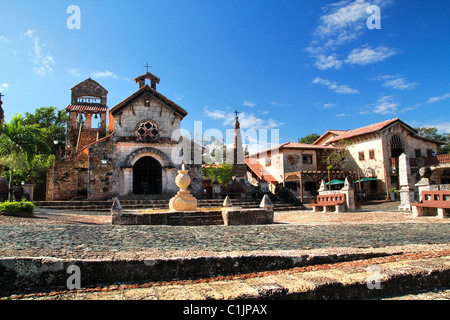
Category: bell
[96,116]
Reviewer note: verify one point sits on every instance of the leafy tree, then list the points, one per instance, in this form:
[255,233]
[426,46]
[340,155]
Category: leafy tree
[223,172]
[52,123]
[310,138]
[19,144]
[432,133]
[337,158]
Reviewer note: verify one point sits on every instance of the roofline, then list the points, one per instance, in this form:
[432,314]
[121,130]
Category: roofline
[182,113]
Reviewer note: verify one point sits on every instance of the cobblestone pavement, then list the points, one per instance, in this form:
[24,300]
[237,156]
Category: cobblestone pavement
[77,234]
[90,235]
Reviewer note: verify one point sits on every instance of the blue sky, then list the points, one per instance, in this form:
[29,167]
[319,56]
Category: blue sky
[296,66]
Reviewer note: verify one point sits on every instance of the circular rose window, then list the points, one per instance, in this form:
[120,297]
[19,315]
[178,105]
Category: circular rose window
[147,131]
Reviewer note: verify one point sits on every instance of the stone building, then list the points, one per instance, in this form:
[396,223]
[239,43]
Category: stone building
[131,157]
[373,151]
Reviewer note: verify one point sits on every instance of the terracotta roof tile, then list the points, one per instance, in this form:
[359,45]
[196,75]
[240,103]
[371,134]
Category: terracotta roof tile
[360,131]
[87,108]
[256,167]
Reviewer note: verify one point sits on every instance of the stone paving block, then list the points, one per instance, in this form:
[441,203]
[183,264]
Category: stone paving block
[140,294]
[266,287]
[101,295]
[235,289]
[171,292]
[202,291]
[292,283]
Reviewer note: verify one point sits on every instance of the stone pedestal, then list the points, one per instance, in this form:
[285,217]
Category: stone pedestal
[183,201]
[28,189]
[349,195]
[406,189]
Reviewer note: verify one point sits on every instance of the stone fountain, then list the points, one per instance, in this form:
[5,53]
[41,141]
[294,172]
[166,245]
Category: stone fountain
[183,210]
[183,201]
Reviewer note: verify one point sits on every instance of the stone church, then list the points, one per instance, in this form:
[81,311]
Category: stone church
[131,156]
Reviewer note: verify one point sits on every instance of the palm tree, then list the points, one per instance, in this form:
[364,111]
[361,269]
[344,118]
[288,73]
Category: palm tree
[18,145]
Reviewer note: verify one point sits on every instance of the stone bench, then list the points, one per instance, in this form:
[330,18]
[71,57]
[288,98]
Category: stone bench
[336,201]
[434,203]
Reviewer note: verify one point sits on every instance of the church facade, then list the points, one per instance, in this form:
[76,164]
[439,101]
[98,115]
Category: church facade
[133,156]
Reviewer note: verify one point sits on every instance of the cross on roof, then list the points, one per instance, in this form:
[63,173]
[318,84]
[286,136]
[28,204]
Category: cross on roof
[236,112]
[147,66]
[1,95]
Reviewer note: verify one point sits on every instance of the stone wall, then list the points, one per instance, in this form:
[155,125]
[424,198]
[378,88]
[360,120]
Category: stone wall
[125,124]
[103,178]
[62,181]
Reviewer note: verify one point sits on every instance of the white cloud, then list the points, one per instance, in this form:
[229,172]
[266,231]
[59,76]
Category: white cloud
[328,105]
[3,38]
[367,55]
[247,103]
[384,105]
[341,23]
[338,88]
[75,72]
[215,114]
[246,120]
[104,75]
[43,62]
[3,87]
[178,96]
[437,99]
[398,82]
[280,104]
[323,62]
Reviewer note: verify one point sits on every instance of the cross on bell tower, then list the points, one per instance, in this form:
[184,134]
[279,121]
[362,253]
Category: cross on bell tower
[147,66]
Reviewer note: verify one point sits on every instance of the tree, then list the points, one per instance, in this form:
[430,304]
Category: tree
[19,144]
[52,123]
[223,172]
[310,138]
[337,158]
[432,133]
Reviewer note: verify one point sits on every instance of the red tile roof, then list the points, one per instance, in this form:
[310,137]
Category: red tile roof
[86,108]
[256,167]
[360,131]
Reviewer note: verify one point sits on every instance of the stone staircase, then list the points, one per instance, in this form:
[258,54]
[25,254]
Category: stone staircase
[136,204]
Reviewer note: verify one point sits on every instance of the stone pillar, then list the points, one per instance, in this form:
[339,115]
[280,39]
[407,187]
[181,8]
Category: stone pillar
[424,182]
[406,190]
[349,195]
[88,124]
[323,187]
[28,189]
[127,182]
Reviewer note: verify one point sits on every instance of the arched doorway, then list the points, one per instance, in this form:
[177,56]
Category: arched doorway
[147,176]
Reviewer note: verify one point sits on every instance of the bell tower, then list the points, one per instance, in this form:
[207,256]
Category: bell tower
[88,102]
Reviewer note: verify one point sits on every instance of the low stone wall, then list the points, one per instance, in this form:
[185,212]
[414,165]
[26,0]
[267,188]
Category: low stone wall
[232,217]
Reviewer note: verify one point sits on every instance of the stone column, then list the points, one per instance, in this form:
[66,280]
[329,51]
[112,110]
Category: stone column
[424,182]
[349,195]
[127,182]
[406,189]
[28,189]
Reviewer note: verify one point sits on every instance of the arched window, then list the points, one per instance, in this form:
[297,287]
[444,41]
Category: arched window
[147,131]
[396,146]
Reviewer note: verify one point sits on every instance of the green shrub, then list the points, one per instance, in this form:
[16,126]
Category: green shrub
[18,209]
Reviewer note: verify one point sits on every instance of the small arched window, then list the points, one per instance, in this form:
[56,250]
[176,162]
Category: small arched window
[147,131]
